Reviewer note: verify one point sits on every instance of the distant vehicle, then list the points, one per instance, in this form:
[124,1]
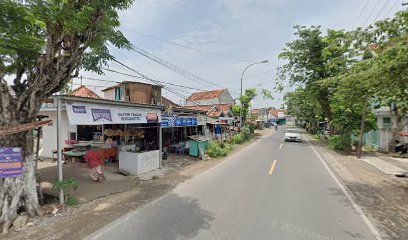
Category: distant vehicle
[292,134]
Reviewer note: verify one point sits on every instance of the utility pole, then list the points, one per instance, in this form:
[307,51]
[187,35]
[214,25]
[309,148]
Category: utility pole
[240,96]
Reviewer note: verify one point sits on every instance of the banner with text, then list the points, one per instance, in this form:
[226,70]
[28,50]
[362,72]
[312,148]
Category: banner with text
[98,114]
[11,162]
[172,120]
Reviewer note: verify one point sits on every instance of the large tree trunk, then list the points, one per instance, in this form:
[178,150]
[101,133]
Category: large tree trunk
[18,192]
[363,119]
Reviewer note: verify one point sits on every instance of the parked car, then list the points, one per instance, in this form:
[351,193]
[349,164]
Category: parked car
[292,134]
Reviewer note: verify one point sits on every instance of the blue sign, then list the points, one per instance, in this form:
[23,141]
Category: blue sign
[170,120]
[11,162]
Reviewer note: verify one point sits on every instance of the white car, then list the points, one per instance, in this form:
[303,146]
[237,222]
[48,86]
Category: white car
[292,134]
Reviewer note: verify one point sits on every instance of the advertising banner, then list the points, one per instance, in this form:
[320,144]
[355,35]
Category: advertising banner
[172,120]
[11,162]
[98,114]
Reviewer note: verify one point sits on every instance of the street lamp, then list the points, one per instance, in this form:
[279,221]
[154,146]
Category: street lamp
[240,98]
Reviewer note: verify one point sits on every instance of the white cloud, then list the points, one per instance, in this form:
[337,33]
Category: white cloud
[249,29]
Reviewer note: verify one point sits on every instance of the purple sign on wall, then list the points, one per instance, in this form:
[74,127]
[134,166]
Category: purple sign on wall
[98,114]
[11,162]
[78,109]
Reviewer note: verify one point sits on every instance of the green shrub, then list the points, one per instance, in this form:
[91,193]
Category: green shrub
[216,150]
[238,139]
[252,128]
[246,133]
[339,143]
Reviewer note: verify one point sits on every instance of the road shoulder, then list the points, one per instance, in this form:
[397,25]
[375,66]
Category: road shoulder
[383,198]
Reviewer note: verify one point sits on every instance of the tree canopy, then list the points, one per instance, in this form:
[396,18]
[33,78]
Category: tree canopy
[43,45]
[341,75]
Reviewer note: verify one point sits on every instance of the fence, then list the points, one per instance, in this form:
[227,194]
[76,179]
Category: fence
[372,138]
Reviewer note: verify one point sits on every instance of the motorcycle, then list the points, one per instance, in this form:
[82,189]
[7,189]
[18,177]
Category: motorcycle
[401,148]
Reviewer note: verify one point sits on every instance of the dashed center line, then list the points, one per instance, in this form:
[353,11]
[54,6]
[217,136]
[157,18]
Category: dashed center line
[272,167]
[280,146]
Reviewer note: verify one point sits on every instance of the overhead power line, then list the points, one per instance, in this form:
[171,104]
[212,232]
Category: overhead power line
[152,80]
[362,11]
[393,6]
[182,72]
[192,48]
[372,12]
[381,10]
[134,76]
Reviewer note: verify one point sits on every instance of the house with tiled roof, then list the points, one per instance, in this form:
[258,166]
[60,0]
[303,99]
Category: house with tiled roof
[83,91]
[221,96]
[168,103]
[216,112]
[278,114]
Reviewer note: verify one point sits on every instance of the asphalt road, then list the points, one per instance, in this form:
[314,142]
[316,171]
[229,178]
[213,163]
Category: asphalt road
[268,190]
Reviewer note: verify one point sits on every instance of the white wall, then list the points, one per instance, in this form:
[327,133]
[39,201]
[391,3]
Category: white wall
[49,139]
[226,98]
[386,134]
[109,94]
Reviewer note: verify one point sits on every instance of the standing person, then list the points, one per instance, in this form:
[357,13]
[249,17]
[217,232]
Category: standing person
[95,169]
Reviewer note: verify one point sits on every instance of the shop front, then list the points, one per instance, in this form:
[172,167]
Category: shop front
[123,133]
[178,126]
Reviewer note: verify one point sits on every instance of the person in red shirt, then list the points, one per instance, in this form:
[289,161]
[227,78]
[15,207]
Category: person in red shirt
[95,170]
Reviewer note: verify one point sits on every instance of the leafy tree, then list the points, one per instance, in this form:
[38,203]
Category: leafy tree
[313,57]
[351,103]
[43,44]
[246,99]
[302,104]
[349,74]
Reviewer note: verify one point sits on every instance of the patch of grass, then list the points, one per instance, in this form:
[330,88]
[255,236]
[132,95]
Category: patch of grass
[71,201]
[316,136]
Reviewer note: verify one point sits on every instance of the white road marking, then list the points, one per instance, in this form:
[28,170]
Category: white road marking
[343,189]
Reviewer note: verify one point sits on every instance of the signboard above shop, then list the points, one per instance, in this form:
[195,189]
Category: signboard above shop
[172,120]
[98,114]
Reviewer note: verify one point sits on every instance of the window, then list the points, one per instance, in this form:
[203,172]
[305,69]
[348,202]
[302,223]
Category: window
[292,131]
[118,94]
[72,136]
[386,123]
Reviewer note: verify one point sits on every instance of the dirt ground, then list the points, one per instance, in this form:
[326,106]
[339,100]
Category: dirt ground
[78,222]
[384,198]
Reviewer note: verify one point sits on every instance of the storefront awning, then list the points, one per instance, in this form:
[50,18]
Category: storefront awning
[80,113]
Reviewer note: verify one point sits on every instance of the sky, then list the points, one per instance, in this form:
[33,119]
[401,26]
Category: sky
[217,39]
